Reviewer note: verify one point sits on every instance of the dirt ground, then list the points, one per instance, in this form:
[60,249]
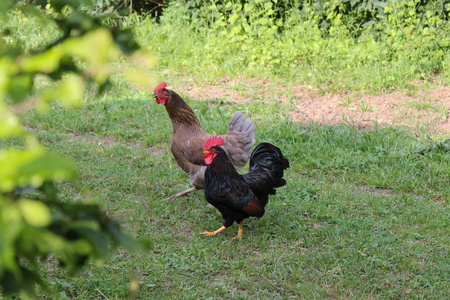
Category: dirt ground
[427,111]
[420,111]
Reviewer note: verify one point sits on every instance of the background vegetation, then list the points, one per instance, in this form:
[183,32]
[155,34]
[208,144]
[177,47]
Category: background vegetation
[372,46]
[364,213]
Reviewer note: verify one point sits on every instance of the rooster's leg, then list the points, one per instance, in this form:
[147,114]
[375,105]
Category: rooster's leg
[208,233]
[182,193]
[240,232]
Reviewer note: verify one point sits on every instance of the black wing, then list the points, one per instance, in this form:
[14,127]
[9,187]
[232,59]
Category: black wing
[231,191]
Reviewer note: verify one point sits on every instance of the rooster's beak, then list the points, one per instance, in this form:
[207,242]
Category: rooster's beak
[205,152]
[155,95]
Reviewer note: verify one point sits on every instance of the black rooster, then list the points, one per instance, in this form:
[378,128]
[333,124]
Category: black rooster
[239,196]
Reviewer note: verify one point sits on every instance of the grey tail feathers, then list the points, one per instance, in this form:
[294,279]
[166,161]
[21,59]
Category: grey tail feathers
[242,130]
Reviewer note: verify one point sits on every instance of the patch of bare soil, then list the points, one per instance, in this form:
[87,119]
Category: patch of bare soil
[425,110]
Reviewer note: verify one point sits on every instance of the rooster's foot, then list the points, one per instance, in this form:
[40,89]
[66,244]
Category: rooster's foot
[240,232]
[209,233]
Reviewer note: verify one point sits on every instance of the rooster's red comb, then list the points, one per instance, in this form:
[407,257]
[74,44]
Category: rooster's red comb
[213,141]
[160,87]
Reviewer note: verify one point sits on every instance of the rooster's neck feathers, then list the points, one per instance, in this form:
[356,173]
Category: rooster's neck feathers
[221,164]
[179,112]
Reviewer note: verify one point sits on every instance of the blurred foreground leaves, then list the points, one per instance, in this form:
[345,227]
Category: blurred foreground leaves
[36,223]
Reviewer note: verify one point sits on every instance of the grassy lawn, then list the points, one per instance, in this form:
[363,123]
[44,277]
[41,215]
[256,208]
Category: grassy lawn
[364,213]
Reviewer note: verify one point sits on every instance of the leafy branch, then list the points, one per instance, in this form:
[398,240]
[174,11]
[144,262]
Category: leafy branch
[35,222]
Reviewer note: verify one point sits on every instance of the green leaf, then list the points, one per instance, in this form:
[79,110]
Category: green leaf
[140,75]
[246,27]
[125,241]
[49,166]
[12,224]
[97,240]
[85,224]
[96,48]
[19,86]
[32,167]
[70,92]
[46,62]
[58,5]
[268,5]
[35,213]
[444,43]
[5,5]
[9,125]
[25,283]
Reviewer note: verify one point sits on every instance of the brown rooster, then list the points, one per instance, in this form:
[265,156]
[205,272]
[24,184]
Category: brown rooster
[189,137]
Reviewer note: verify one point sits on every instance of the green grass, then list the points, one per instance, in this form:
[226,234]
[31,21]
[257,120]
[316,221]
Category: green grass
[364,213]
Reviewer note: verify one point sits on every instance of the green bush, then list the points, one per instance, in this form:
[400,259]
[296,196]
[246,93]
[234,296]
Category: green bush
[363,45]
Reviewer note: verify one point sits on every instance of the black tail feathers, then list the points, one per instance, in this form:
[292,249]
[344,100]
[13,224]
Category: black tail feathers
[267,165]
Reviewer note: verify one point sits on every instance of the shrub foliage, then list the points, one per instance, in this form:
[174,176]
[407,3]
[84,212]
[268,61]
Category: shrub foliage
[313,41]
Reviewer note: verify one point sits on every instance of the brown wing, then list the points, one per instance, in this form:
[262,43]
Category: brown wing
[187,147]
[193,149]
[254,208]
